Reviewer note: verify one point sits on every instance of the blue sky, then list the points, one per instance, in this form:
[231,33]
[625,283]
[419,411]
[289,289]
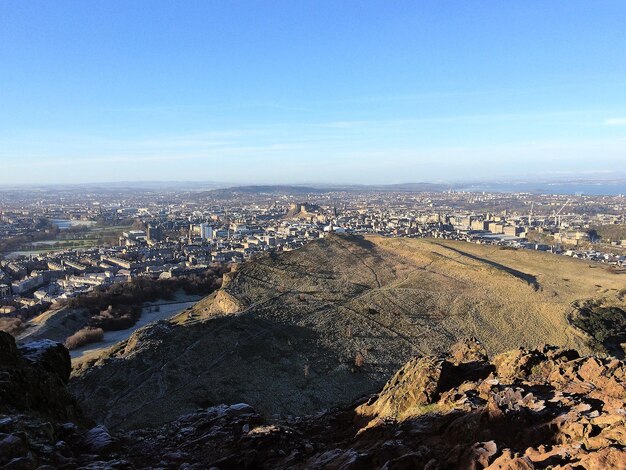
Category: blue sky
[310,91]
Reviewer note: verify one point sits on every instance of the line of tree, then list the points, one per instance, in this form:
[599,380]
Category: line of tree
[43,230]
[606,233]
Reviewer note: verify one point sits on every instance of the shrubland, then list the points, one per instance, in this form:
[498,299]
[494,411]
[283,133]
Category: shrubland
[84,336]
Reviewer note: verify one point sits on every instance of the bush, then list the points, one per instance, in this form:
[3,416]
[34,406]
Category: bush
[13,326]
[116,318]
[85,336]
[602,322]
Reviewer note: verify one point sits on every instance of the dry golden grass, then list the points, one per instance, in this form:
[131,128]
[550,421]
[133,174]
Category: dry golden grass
[383,300]
[505,297]
[427,292]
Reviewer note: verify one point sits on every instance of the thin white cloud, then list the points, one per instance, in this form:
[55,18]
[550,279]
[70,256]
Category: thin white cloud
[33,163]
[469,118]
[618,121]
[248,152]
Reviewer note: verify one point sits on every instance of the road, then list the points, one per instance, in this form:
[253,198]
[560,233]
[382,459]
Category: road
[166,310]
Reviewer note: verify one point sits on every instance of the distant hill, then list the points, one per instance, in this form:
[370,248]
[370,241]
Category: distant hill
[403,187]
[302,331]
[324,188]
[264,189]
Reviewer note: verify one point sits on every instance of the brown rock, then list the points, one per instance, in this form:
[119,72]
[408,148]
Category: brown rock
[413,386]
[509,461]
[468,350]
[479,455]
[421,382]
[610,457]
[520,364]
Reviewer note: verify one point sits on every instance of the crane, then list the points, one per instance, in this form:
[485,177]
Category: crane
[557,215]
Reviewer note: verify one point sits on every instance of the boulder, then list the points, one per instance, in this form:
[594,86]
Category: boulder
[34,378]
[98,440]
[510,461]
[421,382]
[468,350]
[609,457]
[50,355]
[11,447]
[412,387]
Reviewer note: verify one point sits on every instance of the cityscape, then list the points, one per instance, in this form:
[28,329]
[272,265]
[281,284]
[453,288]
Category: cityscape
[312,235]
[59,244]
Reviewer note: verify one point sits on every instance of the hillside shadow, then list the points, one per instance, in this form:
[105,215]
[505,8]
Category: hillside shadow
[528,278]
[276,366]
[360,241]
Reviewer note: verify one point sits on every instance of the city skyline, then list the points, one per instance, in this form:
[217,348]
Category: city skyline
[350,93]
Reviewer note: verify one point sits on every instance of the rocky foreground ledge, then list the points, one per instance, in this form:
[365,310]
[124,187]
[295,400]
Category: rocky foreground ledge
[524,409]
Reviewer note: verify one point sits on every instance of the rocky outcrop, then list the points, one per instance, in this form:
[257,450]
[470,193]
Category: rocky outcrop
[535,408]
[422,380]
[33,378]
[50,355]
[525,409]
[35,404]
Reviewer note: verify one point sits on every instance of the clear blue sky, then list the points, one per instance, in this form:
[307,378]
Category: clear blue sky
[310,91]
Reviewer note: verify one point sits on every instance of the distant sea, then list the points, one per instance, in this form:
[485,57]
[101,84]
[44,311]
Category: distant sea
[596,188]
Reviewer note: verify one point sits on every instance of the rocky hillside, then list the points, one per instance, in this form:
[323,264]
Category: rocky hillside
[302,331]
[524,409]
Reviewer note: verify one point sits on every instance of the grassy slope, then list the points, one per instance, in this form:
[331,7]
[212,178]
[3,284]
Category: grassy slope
[430,291]
[387,299]
[505,297]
